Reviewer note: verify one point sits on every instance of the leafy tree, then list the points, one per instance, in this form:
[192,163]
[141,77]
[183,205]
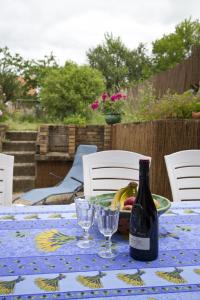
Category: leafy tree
[34,71]
[70,89]
[175,47]
[117,63]
[139,64]
[10,68]
[109,59]
[19,76]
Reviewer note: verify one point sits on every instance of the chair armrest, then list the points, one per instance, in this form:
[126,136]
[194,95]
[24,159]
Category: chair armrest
[76,179]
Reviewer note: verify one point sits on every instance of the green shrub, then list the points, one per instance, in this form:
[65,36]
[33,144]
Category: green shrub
[168,106]
[70,89]
[96,117]
[3,113]
[75,119]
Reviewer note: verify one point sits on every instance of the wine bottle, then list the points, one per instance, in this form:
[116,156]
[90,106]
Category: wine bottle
[143,229]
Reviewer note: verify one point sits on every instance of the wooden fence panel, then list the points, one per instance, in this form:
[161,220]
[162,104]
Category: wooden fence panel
[179,79]
[156,139]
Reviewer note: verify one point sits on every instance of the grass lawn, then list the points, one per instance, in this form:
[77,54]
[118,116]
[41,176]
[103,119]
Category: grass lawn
[27,123]
[22,126]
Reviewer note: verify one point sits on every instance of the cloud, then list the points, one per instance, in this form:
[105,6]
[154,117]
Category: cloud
[69,28]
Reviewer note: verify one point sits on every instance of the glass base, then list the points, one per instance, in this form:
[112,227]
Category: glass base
[85,243]
[107,254]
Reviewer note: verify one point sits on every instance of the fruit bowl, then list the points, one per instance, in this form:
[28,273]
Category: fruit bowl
[163,204]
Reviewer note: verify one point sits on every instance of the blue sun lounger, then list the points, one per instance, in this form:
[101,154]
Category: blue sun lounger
[72,183]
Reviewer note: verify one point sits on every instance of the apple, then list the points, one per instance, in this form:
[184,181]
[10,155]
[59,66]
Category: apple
[130,201]
[127,207]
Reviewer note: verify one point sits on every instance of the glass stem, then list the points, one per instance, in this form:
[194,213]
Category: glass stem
[108,244]
[85,235]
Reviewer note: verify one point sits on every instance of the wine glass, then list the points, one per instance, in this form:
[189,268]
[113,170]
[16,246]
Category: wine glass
[107,219]
[85,217]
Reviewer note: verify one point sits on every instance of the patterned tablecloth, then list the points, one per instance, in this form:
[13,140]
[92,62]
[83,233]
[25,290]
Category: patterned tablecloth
[39,258]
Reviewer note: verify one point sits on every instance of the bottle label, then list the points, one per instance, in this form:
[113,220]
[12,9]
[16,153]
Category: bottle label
[139,243]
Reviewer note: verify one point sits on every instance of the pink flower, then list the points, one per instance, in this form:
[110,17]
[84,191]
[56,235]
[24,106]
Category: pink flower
[1,113]
[113,97]
[118,96]
[95,105]
[104,96]
[109,104]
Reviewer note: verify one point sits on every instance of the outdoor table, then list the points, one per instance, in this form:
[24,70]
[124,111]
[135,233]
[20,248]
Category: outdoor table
[39,258]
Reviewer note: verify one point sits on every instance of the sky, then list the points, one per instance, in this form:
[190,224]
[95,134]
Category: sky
[69,28]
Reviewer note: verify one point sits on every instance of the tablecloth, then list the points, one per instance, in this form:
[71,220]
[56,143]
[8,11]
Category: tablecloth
[39,258]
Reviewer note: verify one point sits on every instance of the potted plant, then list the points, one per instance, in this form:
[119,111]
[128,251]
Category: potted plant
[110,106]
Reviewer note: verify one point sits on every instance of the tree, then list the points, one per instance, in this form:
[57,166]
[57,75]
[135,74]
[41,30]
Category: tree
[118,64]
[19,76]
[70,89]
[139,64]
[35,71]
[175,47]
[109,59]
[10,69]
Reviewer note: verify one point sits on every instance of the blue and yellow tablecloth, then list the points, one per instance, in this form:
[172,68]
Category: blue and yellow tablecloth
[39,258]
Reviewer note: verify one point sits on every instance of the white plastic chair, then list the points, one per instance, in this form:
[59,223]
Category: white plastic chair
[108,171]
[183,169]
[6,179]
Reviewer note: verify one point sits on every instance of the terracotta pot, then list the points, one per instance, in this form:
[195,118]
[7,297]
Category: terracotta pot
[196,115]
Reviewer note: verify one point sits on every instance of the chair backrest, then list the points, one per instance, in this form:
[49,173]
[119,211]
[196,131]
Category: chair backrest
[108,171]
[183,169]
[6,179]
[77,168]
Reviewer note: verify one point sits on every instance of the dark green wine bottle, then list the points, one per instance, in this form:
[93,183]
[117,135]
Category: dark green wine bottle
[143,229]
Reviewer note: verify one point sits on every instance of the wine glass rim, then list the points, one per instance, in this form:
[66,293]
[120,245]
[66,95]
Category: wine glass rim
[111,206]
[83,200]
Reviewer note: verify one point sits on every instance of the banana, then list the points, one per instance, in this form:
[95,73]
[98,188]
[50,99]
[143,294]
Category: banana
[117,197]
[130,191]
[122,194]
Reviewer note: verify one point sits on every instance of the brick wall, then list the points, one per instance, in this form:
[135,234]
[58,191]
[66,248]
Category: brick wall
[56,146]
[65,138]
[93,135]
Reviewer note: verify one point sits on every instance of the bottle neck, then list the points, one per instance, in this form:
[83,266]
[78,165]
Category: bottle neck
[144,178]
[144,206]
[144,190]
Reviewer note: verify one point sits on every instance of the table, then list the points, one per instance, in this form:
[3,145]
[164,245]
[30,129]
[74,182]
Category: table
[39,258]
